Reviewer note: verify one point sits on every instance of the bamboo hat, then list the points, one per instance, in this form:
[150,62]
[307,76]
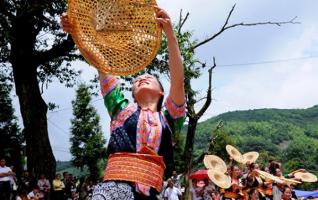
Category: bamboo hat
[250,157]
[306,177]
[118,37]
[289,181]
[215,163]
[234,153]
[269,176]
[220,179]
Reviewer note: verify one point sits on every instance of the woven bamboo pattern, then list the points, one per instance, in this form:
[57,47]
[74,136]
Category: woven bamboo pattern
[118,37]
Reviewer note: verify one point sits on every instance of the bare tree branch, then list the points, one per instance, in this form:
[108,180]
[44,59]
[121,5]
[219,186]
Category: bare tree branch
[182,21]
[201,99]
[226,27]
[180,18]
[228,17]
[209,93]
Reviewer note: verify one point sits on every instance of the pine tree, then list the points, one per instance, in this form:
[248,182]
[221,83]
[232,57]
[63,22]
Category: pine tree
[11,140]
[87,141]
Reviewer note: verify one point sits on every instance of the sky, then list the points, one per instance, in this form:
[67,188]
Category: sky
[257,67]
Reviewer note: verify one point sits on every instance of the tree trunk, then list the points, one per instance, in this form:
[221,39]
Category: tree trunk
[188,150]
[40,158]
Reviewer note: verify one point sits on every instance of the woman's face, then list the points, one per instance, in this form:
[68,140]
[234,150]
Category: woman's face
[287,194]
[278,172]
[254,196]
[255,167]
[236,172]
[146,84]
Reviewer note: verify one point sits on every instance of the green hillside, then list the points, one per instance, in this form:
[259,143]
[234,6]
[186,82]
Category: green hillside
[288,135]
[67,166]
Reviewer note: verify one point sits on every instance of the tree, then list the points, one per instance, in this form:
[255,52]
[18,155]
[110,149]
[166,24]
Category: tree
[87,141]
[33,49]
[11,140]
[216,145]
[193,70]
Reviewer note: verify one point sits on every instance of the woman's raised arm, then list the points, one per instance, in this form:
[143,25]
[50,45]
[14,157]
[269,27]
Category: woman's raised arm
[176,92]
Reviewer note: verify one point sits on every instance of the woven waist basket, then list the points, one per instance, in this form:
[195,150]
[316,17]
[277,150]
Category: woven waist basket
[118,37]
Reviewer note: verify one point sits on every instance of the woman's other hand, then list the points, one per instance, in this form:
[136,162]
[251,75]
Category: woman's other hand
[66,23]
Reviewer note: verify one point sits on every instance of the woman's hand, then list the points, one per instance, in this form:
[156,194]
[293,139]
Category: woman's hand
[66,23]
[164,21]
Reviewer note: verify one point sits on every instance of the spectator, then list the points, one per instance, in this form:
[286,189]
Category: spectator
[172,192]
[209,191]
[196,192]
[28,182]
[58,187]
[35,194]
[22,195]
[287,193]
[176,179]
[5,183]
[45,186]
[13,182]
[83,188]
[253,194]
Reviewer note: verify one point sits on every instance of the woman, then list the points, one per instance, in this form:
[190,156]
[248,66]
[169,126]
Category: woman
[142,132]
[254,181]
[58,187]
[287,193]
[268,186]
[45,186]
[253,194]
[235,191]
[196,192]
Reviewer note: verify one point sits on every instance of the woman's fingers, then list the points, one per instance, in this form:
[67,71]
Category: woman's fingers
[161,12]
[65,22]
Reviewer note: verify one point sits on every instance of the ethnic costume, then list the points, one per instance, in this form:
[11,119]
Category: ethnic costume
[140,147]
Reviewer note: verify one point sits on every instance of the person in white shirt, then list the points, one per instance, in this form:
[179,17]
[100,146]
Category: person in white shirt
[172,192]
[176,179]
[5,177]
[45,186]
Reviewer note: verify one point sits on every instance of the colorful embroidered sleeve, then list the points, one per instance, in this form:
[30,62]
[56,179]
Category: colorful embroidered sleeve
[114,99]
[175,115]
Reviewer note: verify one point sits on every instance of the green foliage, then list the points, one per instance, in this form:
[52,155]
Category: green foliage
[220,138]
[11,137]
[38,24]
[287,135]
[178,154]
[87,138]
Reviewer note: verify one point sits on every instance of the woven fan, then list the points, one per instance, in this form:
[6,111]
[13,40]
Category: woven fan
[118,37]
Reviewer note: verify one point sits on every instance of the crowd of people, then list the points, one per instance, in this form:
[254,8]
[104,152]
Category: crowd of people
[246,184]
[65,186]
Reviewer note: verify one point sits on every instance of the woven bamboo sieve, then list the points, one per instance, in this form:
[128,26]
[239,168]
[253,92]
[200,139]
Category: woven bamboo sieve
[118,37]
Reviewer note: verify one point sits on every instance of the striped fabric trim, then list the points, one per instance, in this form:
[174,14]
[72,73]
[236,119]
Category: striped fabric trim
[174,110]
[108,84]
[122,116]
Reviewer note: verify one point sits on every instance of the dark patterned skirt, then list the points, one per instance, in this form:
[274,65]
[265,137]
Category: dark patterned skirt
[116,190]
[112,190]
